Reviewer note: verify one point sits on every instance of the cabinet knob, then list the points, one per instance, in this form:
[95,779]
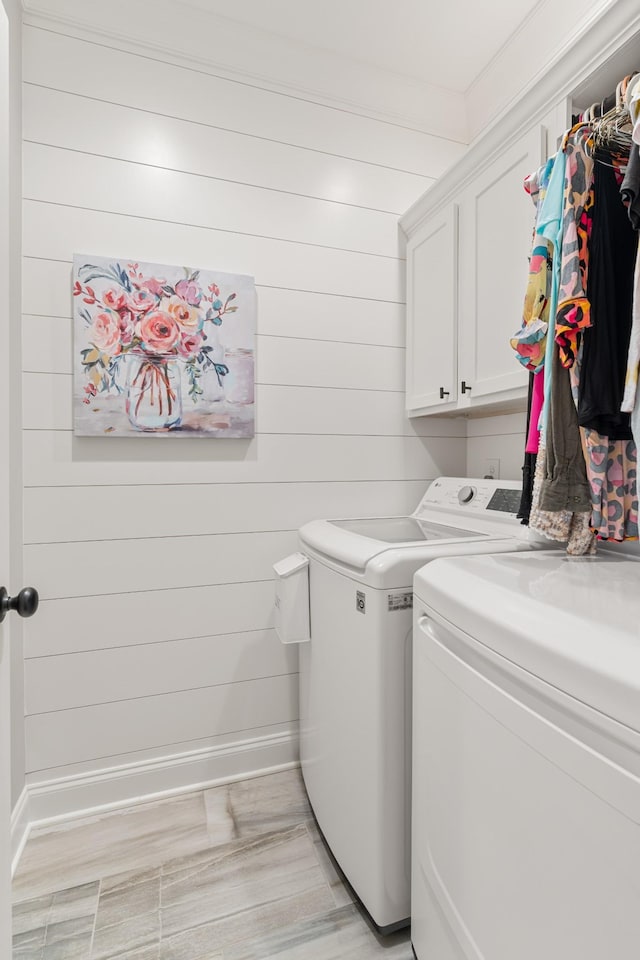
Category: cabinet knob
[443,393]
[464,387]
[25,604]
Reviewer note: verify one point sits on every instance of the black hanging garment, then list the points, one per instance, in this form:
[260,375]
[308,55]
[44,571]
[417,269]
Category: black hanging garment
[612,255]
[528,468]
[630,189]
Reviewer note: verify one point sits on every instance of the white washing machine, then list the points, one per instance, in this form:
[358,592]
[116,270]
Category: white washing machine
[526,758]
[355,673]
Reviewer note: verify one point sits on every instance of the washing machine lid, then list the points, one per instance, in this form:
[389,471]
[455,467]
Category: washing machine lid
[572,622]
[355,543]
[456,515]
[402,529]
[384,564]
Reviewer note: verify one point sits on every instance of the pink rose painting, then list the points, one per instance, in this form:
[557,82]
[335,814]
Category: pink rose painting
[162,351]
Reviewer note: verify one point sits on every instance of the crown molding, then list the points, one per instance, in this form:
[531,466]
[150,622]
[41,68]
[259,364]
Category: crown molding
[589,52]
[513,72]
[185,35]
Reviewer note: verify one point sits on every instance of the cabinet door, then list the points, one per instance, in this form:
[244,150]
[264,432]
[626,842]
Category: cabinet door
[432,314]
[497,226]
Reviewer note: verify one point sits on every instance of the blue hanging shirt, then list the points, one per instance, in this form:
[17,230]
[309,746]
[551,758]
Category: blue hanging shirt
[549,226]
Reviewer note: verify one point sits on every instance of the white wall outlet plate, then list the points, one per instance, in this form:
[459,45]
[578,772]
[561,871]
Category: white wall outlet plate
[491,469]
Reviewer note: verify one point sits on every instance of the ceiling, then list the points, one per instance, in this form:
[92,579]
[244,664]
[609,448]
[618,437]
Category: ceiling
[445,43]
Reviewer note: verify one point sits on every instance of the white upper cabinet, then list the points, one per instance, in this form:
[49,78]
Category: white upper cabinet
[432,334]
[467,265]
[496,229]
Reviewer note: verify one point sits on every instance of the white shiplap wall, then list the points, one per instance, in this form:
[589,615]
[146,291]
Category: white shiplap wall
[154,558]
[501,438]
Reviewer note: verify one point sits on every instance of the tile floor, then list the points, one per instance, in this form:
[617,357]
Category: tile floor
[237,872]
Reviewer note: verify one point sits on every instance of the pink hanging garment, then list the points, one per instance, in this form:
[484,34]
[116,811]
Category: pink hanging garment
[537,398]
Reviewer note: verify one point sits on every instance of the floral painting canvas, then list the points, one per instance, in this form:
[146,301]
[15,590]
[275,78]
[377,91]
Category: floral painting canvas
[162,350]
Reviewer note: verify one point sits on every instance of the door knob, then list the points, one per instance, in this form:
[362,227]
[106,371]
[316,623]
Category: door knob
[25,604]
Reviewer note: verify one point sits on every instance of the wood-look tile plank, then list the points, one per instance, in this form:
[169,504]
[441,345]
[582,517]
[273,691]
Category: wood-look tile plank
[239,878]
[78,928]
[143,953]
[130,933]
[128,879]
[331,936]
[249,808]
[30,915]
[203,941]
[342,892]
[29,944]
[69,939]
[121,903]
[74,903]
[135,838]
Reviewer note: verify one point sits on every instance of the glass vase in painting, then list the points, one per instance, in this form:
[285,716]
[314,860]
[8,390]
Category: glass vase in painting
[154,392]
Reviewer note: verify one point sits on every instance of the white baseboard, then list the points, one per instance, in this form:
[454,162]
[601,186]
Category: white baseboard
[97,792]
[20,828]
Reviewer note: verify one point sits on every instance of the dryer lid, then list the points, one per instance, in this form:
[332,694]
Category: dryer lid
[572,622]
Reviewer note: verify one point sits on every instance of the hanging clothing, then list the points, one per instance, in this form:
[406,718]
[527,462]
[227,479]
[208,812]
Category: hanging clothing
[530,340]
[630,189]
[631,397]
[564,484]
[612,254]
[529,343]
[537,399]
[585,476]
[550,227]
[562,499]
[612,477]
[529,465]
[635,429]
[633,101]
[559,525]
[526,498]
[574,312]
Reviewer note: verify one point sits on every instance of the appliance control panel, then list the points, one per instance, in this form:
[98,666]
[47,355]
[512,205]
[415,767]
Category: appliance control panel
[476,496]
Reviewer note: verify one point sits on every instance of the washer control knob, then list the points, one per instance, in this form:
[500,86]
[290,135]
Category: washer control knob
[466,494]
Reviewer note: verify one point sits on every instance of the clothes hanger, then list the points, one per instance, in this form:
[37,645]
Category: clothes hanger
[612,132]
[632,98]
[626,82]
[634,80]
[611,125]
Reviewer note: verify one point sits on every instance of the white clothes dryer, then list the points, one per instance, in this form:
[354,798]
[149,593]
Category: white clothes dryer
[526,758]
[355,673]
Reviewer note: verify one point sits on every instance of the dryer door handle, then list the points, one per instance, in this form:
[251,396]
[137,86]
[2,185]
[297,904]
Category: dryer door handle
[426,625]
[443,636]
